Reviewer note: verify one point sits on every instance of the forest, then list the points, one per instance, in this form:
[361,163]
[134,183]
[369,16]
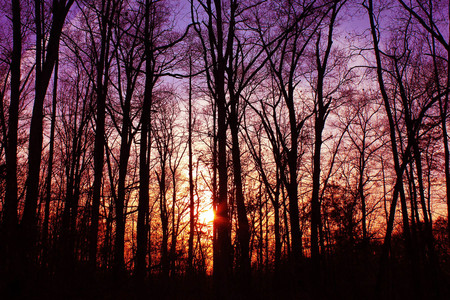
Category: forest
[224,149]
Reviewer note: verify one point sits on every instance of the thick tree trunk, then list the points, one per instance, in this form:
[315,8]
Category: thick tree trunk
[11,202]
[44,70]
[222,266]
[292,186]
[398,189]
[143,205]
[222,226]
[119,263]
[99,147]
[243,228]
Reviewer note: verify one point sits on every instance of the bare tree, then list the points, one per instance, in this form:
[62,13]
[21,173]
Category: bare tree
[46,56]
[11,202]
[285,64]
[366,140]
[48,180]
[128,54]
[399,166]
[102,56]
[215,60]
[426,14]
[322,106]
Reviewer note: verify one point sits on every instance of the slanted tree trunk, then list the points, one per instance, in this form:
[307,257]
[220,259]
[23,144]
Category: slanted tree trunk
[48,182]
[398,188]
[431,27]
[46,56]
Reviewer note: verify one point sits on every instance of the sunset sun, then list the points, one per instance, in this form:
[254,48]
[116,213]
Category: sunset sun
[207,216]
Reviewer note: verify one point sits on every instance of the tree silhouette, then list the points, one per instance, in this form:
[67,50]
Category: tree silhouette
[224,149]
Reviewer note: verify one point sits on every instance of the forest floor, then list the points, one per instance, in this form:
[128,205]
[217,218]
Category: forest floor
[342,281]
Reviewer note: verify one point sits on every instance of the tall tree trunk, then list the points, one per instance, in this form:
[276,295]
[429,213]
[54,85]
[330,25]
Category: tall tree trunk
[362,196]
[286,225]
[261,217]
[173,242]
[445,135]
[191,180]
[432,28]
[315,203]
[243,228]
[143,205]
[119,244]
[321,113]
[48,183]
[243,233]
[11,202]
[222,226]
[398,188]
[44,70]
[164,220]
[101,89]
[292,186]
[443,110]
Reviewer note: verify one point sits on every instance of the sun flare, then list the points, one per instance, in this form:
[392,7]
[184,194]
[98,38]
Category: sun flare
[207,216]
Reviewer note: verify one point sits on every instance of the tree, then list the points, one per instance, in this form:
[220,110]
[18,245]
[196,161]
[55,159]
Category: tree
[159,41]
[191,179]
[285,64]
[366,140]
[322,105]
[46,56]
[48,180]
[399,167]
[142,222]
[426,15]
[11,201]
[129,52]
[215,59]
[102,57]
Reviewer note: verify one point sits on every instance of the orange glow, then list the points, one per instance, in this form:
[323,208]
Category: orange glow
[207,216]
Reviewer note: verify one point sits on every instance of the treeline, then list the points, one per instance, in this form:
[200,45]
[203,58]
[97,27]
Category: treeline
[316,131]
